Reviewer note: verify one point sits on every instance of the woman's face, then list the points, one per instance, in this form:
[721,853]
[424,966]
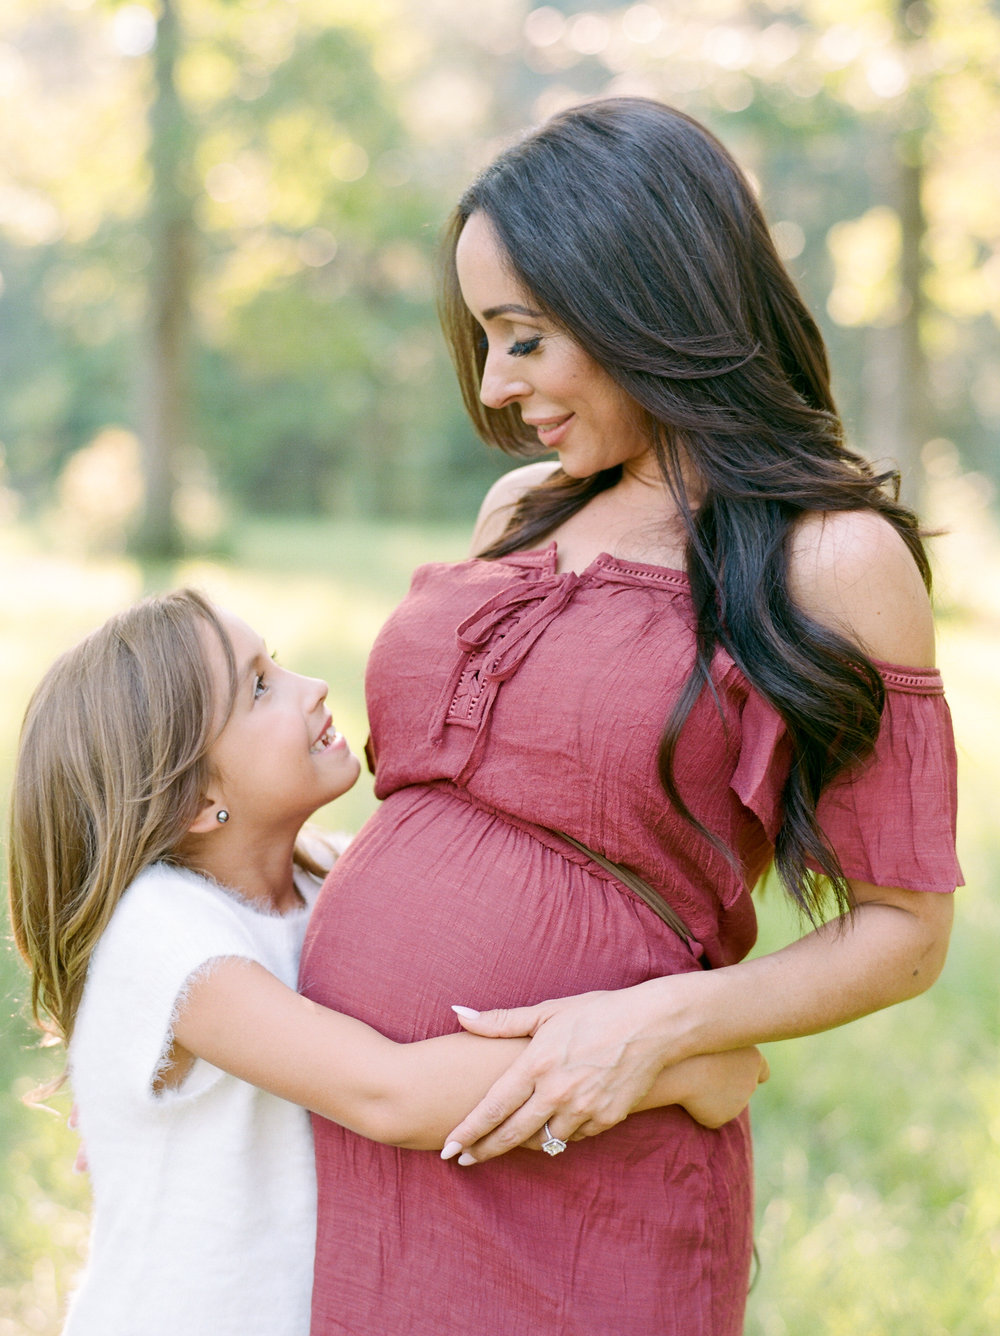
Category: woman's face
[573,404]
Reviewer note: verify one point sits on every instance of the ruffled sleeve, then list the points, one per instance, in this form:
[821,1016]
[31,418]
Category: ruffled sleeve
[166,928]
[890,821]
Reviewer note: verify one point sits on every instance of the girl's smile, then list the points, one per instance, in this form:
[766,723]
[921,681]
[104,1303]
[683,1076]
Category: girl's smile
[328,739]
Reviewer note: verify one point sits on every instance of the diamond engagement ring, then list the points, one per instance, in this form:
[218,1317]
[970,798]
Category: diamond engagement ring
[552,1145]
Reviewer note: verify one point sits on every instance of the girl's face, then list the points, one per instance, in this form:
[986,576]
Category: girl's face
[278,758]
[573,404]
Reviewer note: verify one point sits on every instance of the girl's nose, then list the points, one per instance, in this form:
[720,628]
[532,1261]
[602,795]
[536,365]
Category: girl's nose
[316,690]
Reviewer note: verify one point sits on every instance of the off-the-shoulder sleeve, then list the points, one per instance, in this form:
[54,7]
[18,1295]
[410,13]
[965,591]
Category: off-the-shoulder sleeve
[166,928]
[891,821]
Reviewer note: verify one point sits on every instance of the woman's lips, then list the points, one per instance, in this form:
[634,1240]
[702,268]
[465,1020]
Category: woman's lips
[552,430]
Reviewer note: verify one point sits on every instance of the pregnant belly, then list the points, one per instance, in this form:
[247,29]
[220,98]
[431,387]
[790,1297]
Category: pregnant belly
[439,902]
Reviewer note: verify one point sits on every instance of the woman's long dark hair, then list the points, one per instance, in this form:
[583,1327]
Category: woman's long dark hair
[635,231]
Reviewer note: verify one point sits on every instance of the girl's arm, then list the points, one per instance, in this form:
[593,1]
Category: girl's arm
[713,1087]
[239,1017]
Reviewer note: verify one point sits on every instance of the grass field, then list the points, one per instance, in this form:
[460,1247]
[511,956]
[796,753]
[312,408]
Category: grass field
[878,1145]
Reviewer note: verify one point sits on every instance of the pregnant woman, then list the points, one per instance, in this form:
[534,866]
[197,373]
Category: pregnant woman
[697,643]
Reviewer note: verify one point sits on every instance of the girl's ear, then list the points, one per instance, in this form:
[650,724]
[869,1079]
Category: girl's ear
[208,818]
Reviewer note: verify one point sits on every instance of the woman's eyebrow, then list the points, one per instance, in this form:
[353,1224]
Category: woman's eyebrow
[510,308]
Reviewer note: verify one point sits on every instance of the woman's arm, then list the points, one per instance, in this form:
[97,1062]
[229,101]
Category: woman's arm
[242,1019]
[593,1057]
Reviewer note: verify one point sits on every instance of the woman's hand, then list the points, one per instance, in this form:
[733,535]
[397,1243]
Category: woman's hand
[594,1057]
[589,1063]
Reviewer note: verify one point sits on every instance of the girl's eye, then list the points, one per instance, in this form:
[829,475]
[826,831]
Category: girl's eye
[522,347]
[260,685]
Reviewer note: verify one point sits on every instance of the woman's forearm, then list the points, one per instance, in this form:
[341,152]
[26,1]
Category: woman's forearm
[594,1057]
[883,954]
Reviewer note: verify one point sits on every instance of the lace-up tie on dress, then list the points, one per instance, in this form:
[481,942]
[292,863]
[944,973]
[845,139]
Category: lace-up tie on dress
[493,642]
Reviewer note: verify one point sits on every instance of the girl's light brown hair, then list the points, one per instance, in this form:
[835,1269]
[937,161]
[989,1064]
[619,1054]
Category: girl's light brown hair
[111,771]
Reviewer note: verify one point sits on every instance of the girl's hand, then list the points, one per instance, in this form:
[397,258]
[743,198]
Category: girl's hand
[589,1063]
[716,1087]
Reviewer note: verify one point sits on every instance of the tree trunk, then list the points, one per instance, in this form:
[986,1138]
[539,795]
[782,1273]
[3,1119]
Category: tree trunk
[167,335]
[916,417]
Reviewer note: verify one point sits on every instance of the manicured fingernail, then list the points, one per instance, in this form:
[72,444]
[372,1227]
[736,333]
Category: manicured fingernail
[465,1011]
[451,1148]
[467,1158]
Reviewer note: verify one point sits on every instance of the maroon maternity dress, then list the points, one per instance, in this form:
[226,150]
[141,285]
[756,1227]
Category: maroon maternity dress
[507,699]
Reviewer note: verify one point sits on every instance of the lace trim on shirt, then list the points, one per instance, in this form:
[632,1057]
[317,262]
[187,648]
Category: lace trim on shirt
[470,696]
[638,570]
[495,639]
[915,681]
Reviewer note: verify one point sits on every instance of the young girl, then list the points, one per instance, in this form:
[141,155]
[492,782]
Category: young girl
[159,893]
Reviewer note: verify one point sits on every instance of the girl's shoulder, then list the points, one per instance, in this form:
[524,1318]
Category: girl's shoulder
[166,898]
[168,922]
[852,572]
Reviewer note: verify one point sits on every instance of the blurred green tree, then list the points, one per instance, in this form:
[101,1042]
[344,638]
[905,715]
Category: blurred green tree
[167,327]
[317,148]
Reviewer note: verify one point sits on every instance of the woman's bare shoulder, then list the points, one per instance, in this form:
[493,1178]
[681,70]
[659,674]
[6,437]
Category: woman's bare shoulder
[503,496]
[852,571]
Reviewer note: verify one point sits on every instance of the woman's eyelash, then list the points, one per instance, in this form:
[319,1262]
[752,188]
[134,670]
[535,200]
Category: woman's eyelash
[522,347]
[519,348]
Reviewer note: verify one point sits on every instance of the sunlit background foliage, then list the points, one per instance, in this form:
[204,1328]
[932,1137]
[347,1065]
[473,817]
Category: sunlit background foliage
[239,219]
[219,361]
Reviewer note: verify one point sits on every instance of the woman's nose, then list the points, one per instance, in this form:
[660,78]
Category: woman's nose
[501,385]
